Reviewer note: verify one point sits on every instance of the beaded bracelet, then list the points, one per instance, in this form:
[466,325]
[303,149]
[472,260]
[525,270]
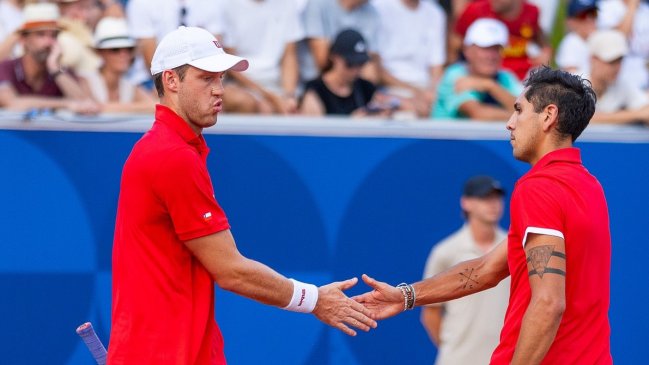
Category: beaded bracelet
[409,295]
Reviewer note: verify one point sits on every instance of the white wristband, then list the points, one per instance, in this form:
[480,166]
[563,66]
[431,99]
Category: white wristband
[305,296]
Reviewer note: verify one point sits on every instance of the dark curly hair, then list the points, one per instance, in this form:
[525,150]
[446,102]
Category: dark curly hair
[573,96]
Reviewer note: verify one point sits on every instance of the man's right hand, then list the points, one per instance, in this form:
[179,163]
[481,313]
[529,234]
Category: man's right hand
[337,310]
[384,301]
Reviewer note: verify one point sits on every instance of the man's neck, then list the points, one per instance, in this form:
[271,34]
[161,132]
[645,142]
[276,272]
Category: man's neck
[513,12]
[350,5]
[411,4]
[110,77]
[484,234]
[35,71]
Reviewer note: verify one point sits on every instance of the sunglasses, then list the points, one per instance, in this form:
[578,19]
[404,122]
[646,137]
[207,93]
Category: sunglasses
[123,49]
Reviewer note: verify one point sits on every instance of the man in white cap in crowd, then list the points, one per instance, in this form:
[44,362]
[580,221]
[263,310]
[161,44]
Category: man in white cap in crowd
[480,88]
[619,100]
[37,80]
[172,239]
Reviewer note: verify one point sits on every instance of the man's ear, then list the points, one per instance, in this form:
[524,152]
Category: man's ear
[550,117]
[170,80]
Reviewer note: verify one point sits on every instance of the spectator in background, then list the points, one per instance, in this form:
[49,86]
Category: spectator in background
[527,46]
[324,19]
[480,88]
[412,65]
[11,18]
[149,21]
[573,54]
[340,90]
[629,17]
[619,100]
[109,85]
[466,330]
[37,80]
[265,32]
[76,37]
[547,13]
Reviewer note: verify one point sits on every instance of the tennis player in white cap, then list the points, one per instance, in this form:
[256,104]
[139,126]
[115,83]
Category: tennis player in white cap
[172,239]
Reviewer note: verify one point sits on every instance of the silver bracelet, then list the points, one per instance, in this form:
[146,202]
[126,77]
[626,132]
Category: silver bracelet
[409,295]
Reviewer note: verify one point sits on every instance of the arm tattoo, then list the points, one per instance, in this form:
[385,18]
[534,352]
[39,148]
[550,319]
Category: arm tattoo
[467,279]
[538,258]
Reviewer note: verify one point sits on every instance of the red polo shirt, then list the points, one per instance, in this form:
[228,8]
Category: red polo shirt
[559,197]
[522,31]
[163,297]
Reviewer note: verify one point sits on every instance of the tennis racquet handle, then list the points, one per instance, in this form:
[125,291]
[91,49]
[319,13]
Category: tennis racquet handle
[95,346]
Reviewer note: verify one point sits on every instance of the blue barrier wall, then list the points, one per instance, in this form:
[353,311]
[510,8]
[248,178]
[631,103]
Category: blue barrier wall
[315,208]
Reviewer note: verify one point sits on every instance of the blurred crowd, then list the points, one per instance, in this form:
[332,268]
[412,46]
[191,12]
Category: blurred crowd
[452,59]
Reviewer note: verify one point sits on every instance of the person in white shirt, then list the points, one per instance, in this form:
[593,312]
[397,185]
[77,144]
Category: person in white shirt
[323,20]
[11,18]
[573,54]
[149,21]
[619,101]
[629,17]
[109,85]
[412,47]
[265,32]
[466,330]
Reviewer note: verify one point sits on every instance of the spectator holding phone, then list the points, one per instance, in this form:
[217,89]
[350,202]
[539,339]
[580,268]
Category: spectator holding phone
[340,90]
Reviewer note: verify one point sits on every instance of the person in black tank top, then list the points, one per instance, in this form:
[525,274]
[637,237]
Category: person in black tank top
[340,90]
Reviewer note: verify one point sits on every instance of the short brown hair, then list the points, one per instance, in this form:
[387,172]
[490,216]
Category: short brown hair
[157,78]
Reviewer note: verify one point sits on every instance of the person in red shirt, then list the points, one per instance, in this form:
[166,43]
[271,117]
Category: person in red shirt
[558,250]
[527,45]
[172,239]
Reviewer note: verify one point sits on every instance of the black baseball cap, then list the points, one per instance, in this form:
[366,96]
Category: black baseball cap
[350,45]
[577,7]
[481,186]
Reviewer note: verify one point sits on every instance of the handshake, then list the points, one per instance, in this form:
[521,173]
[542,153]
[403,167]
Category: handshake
[362,311]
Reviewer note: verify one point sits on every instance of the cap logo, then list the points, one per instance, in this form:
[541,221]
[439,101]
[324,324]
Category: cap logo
[359,47]
[217,44]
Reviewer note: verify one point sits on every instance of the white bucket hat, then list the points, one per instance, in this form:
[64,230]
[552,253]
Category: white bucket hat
[196,47]
[112,33]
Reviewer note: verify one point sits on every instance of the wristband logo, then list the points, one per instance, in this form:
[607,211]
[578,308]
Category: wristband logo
[302,297]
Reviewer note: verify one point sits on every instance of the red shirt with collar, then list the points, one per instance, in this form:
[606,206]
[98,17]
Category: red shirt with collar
[522,31]
[12,71]
[163,297]
[559,197]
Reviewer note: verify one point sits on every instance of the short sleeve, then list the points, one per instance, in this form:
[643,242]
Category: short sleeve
[465,19]
[536,208]
[610,14]
[510,82]
[314,26]
[185,188]
[566,53]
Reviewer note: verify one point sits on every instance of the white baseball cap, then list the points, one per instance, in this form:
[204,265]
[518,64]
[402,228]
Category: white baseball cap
[196,47]
[608,45]
[487,32]
[112,33]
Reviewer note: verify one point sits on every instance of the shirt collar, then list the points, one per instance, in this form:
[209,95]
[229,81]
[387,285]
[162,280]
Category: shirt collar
[570,155]
[168,117]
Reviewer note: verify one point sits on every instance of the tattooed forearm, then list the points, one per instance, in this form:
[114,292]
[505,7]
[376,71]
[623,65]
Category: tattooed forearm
[468,279]
[538,258]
